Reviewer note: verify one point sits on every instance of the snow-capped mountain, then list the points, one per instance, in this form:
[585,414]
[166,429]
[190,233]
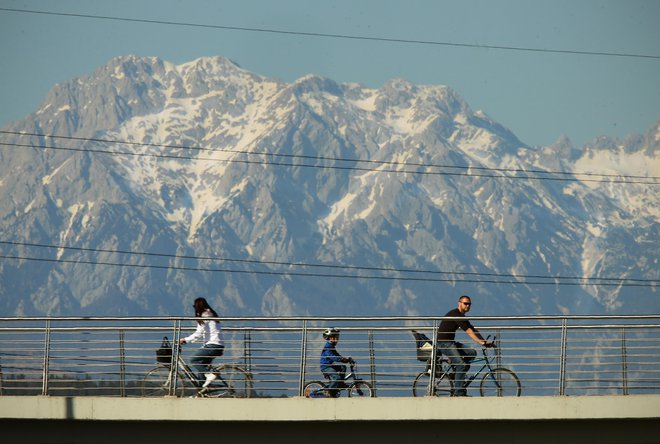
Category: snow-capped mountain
[146,184]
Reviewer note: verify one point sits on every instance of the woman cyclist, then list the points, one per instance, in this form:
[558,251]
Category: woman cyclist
[208,331]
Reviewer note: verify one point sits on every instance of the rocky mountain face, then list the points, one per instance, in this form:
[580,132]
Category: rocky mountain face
[144,185]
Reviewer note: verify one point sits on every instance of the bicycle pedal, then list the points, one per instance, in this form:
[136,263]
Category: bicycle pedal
[202,393]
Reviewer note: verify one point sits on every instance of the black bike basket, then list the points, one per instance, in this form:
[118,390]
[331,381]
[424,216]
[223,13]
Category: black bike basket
[164,353]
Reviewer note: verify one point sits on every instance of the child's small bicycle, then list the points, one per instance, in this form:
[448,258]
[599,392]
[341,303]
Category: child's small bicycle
[359,387]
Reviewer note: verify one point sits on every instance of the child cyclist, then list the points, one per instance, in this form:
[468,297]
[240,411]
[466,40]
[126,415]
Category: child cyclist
[330,359]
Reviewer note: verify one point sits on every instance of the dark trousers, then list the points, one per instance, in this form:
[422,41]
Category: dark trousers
[459,357]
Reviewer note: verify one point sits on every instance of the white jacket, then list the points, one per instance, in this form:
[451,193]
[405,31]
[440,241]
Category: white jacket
[207,331]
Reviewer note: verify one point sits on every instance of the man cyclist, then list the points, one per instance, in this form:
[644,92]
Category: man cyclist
[459,355]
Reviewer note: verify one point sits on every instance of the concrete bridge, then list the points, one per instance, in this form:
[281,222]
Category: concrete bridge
[542,419]
[78,380]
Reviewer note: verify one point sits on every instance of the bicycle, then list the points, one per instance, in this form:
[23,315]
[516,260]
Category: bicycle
[498,381]
[359,387]
[232,380]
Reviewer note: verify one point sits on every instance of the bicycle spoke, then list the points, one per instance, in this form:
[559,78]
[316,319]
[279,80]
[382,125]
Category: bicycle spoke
[500,382]
[314,389]
[360,389]
[232,382]
[157,382]
[443,385]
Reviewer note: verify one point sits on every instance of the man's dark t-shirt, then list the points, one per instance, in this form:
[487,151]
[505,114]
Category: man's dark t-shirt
[448,327]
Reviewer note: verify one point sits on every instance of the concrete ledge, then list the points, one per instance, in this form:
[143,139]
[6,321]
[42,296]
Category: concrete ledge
[342,409]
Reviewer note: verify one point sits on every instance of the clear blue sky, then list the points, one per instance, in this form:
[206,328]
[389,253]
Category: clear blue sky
[538,95]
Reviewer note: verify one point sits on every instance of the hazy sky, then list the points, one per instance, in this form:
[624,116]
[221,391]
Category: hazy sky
[539,95]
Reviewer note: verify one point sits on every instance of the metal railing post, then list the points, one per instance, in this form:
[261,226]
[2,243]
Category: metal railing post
[624,361]
[2,379]
[44,376]
[247,351]
[498,351]
[174,367]
[434,353]
[122,365]
[562,358]
[303,359]
[372,361]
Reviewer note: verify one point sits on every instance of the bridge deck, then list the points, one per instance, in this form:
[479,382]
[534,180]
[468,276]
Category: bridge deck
[585,419]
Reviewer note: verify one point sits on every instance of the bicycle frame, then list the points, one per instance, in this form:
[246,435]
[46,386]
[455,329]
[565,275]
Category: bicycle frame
[468,379]
[351,375]
[183,368]
[487,364]
[176,377]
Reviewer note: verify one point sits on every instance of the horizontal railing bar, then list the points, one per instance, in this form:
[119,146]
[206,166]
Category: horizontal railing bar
[333,318]
[345,329]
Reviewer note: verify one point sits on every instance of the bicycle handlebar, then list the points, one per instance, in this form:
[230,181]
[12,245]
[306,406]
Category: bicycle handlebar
[490,344]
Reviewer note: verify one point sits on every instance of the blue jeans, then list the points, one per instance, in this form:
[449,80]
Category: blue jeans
[459,357]
[336,375]
[203,357]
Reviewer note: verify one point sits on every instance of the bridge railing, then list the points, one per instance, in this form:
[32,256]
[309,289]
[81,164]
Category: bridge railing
[551,355]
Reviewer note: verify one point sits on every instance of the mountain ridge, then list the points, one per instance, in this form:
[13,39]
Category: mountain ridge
[224,163]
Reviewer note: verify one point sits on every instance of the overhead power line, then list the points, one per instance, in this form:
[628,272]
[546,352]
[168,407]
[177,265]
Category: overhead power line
[337,36]
[327,275]
[528,174]
[472,277]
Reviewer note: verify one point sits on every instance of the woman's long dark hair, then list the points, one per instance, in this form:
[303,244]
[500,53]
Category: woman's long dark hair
[201,306]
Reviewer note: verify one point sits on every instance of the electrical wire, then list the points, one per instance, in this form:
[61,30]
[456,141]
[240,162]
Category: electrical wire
[301,156]
[323,275]
[607,178]
[551,280]
[337,36]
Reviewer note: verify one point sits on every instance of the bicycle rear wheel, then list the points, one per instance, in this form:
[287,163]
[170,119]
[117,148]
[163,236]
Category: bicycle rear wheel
[500,382]
[157,382]
[314,389]
[232,382]
[361,389]
[444,386]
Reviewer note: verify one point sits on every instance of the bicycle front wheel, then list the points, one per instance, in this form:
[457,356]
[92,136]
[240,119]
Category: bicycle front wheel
[157,382]
[361,389]
[232,382]
[500,382]
[314,389]
[444,386]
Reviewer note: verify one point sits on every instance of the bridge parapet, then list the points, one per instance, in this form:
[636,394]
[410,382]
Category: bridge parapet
[320,410]
[552,355]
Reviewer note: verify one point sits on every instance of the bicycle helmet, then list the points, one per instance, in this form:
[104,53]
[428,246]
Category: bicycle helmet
[330,332]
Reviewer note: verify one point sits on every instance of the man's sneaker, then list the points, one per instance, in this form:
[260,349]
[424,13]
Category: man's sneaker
[210,377]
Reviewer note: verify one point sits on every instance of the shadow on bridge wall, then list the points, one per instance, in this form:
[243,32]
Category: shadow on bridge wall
[27,431]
